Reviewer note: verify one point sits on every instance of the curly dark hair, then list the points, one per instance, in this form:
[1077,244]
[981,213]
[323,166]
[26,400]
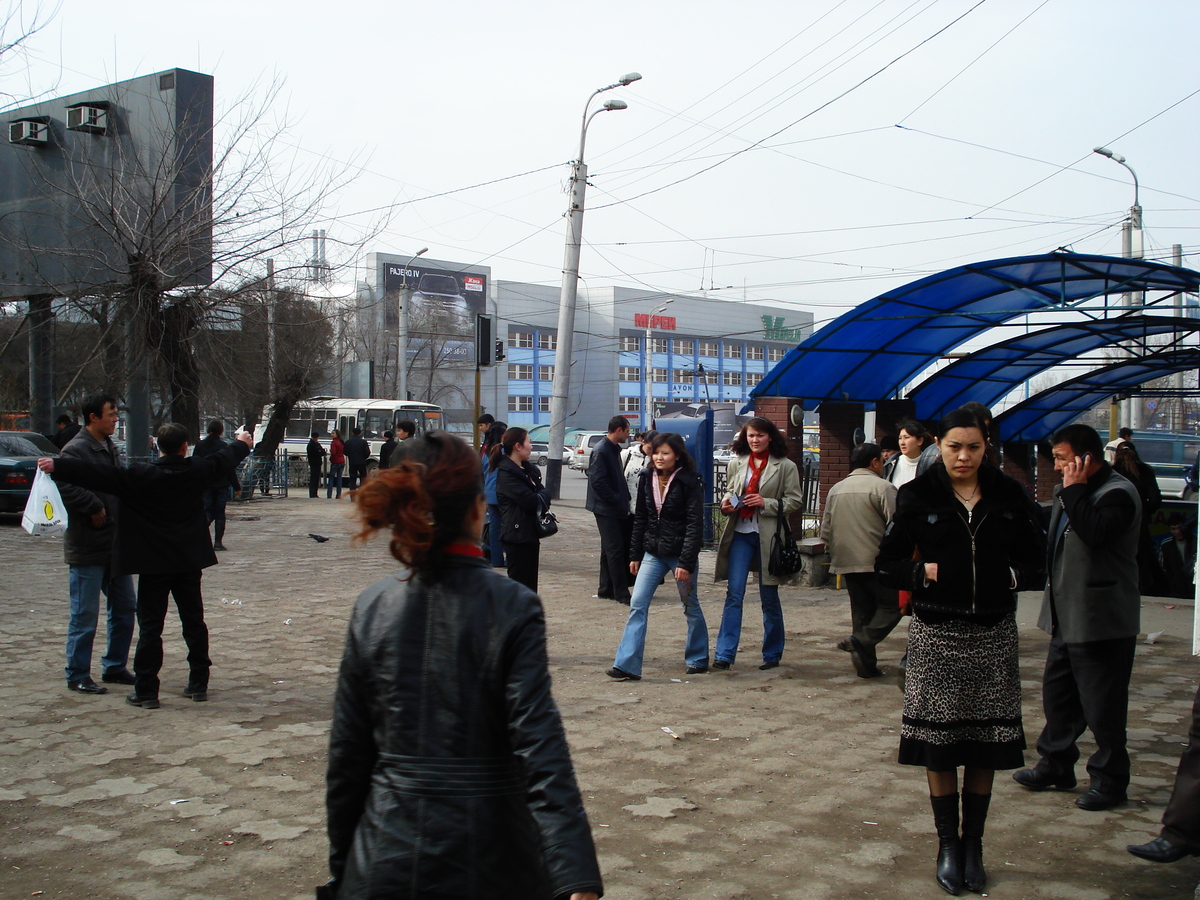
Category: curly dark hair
[778,444]
[424,500]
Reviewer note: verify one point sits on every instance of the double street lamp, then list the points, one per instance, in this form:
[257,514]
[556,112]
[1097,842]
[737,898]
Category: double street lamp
[570,287]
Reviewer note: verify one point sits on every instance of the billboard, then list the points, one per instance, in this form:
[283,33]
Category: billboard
[442,307]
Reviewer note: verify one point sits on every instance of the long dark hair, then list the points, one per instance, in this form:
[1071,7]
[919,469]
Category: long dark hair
[508,440]
[683,459]
[778,443]
[1128,463]
[424,499]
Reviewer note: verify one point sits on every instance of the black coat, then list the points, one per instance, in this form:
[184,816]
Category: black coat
[449,774]
[357,451]
[211,446]
[85,544]
[678,530]
[315,453]
[977,557]
[162,527]
[521,498]
[607,489]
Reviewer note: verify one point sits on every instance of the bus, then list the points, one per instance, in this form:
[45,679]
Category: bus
[374,416]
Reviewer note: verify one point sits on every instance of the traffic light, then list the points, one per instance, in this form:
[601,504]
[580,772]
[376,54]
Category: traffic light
[484,342]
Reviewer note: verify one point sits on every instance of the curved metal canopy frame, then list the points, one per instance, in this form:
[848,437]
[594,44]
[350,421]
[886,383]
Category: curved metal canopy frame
[988,375]
[871,352]
[1047,411]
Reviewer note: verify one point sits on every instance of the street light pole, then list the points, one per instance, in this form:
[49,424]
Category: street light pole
[649,369]
[402,330]
[569,293]
[1131,245]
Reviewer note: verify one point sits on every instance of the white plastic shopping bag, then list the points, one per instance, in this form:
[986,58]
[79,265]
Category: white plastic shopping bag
[44,511]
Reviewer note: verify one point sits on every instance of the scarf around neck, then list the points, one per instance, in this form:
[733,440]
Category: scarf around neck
[754,479]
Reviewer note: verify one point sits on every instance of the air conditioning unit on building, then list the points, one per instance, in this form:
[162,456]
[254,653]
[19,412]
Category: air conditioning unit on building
[89,117]
[32,132]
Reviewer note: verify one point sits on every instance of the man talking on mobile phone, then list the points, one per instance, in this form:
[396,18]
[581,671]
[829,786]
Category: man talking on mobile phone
[1091,609]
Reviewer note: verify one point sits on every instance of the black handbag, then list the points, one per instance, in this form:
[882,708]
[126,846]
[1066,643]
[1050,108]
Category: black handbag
[547,524]
[785,559]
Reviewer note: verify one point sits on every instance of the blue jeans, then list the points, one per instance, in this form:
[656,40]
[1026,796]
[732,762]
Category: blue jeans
[633,641]
[495,549]
[744,556]
[335,474]
[86,583]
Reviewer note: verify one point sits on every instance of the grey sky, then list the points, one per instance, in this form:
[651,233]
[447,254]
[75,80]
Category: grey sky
[999,111]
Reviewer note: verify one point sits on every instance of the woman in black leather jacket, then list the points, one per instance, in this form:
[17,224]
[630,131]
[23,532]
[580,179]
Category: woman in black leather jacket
[522,501]
[667,531]
[449,774]
[964,540]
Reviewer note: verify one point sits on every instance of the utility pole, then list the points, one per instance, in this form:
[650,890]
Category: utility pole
[271,329]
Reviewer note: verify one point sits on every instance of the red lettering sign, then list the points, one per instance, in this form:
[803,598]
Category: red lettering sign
[644,320]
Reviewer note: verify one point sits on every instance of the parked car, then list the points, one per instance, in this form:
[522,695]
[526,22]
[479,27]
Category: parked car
[540,451]
[581,452]
[19,453]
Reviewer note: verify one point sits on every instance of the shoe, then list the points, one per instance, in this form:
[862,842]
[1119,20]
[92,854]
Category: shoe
[697,670]
[721,666]
[219,546]
[85,685]
[1038,779]
[845,645]
[623,600]
[1095,800]
[863,667]
[603,597]
[769,665]
[144,702]
[119,675]
[1159,850]
[199,694]
[622,675]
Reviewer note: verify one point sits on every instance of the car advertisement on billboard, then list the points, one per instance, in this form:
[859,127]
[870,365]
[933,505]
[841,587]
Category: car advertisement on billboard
[442,307]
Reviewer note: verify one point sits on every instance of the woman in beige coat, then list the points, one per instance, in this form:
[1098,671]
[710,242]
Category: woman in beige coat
[762,483]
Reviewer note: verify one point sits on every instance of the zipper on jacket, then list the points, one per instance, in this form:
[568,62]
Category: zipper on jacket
[974,565]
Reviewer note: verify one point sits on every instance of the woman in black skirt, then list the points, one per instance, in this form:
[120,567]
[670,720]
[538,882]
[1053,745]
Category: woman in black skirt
[964,540]
[522,501]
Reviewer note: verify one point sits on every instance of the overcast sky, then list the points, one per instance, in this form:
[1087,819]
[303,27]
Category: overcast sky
[809,152]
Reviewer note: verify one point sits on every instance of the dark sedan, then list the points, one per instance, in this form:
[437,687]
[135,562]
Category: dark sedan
[19,453]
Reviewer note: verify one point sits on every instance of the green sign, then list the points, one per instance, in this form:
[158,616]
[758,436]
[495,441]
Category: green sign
[773,330]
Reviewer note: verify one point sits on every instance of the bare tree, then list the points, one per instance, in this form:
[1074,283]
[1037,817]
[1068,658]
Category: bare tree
[19,23]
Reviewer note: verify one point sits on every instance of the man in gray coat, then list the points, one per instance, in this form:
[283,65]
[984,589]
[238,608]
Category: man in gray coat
[91,525]
[857,511]
[1092,610]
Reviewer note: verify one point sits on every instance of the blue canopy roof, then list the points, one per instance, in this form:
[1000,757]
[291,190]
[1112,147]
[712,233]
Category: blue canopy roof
[871,352]
[989,374]
[1045,412]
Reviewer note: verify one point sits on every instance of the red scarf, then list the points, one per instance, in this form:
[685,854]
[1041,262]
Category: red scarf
[755,475]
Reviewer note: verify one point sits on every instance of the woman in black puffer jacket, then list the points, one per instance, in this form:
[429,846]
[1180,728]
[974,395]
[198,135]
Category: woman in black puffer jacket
[449,774]
[667,530]
[964,540]
[522,499]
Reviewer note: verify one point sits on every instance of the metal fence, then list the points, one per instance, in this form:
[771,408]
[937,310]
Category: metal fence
[268,476]
[809,494]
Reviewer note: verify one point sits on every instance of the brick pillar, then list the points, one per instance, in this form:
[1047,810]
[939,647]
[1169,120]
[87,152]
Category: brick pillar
[838,421]
[778,410]
[1018,463]
[1047,478]
[888,413]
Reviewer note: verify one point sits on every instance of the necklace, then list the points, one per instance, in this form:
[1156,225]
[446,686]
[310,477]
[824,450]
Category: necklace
[969,497]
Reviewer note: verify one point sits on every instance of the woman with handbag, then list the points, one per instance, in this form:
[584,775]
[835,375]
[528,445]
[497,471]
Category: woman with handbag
[965,538]
[449,773]
[668,526]
[522,500]
[761,486]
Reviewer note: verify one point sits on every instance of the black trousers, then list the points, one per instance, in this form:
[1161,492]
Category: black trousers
[1181,821]
[358,474]
[874,610]
[615,535]
[314,480]
[153,592]
[1087,686]
[523,563]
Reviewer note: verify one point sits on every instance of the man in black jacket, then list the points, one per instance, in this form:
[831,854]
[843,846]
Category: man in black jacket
[91,526]
[216,495]
[316,461]
[162,535]
[608,499]
[357,451]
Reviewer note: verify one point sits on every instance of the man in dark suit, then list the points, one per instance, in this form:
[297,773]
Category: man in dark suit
[316,459]
[162,536]
[1180,834]
[357,451]
[608,499]
[1092,611]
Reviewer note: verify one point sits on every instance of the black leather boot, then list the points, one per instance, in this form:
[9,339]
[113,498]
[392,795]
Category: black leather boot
[974,814]
[949,859]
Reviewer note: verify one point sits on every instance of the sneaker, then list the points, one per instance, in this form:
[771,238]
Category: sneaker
[198,694]
[144,702]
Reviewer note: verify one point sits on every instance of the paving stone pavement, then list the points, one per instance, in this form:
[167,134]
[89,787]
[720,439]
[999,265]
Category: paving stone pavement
[780,784]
